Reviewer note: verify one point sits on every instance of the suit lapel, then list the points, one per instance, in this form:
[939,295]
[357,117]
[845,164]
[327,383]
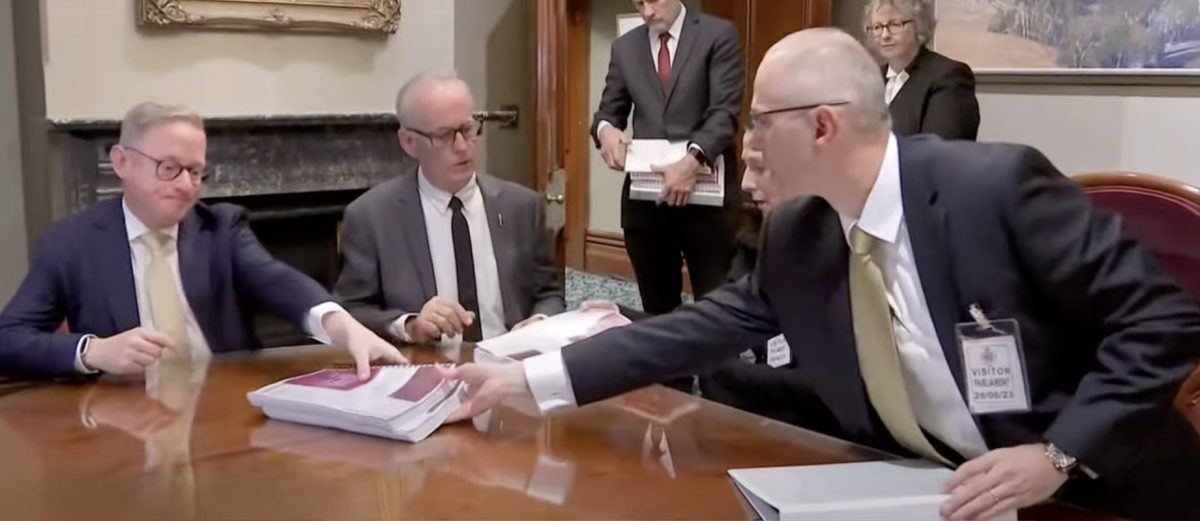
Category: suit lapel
[114,266]
[687,42]
[909,98]
[830,297]
[195,267]
[415,234]
[926,221]
[644,59]
[490,190]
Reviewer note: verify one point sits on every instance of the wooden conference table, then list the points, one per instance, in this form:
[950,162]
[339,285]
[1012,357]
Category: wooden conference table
[108,451]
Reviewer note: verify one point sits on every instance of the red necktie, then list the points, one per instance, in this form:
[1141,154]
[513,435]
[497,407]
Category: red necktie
[664,60]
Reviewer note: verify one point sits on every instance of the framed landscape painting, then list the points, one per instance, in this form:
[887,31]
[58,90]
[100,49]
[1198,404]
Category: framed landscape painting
[1140,38]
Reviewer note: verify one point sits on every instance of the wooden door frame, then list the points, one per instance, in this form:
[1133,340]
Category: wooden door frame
[561,113]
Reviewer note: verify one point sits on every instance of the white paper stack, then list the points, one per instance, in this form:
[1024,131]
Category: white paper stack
[401,402]
[644,184]
[548,335]
[879,490]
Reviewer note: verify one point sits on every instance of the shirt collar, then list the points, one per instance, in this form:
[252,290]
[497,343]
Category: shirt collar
[441,198]
[893,73]
[676,26]
[883,212]
[135,228]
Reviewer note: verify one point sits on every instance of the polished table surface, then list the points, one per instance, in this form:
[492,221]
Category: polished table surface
[108,451]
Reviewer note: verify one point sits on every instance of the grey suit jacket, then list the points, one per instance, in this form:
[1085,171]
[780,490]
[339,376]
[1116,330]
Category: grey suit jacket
[701,103]
[387,270]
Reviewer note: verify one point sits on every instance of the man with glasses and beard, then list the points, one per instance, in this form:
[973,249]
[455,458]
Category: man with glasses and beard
[443,251]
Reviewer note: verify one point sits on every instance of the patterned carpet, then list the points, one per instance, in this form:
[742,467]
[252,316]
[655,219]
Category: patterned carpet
[583,286]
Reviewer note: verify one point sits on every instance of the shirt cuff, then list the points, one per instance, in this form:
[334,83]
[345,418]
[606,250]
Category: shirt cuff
[313,323]
[397,328]
[693,146]
[549,382]
[600,127]
[79,366]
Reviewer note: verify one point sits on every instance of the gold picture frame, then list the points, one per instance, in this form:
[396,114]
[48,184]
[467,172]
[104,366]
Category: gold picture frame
[366,16]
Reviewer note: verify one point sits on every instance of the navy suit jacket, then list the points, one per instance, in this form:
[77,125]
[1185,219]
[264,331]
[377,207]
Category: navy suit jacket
[1108,337]
[82,274]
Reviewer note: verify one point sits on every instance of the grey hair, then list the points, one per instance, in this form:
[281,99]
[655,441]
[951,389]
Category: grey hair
[404,106]
[833,62]
[146,115]
[922,12]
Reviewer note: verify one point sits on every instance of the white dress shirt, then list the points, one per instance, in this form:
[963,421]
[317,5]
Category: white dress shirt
[895,82]
[139,258]
[939,407]
[435,204]
[936,401]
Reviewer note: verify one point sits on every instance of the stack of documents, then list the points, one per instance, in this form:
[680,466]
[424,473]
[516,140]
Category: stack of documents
[644,184]
[548,335]
[401,402]
[880,490]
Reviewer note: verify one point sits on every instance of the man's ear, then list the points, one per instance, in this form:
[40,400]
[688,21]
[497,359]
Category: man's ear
[828,125]
[407,142]
[119,159]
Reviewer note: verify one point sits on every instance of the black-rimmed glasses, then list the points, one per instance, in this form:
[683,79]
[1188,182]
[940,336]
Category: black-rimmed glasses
[755,119]
[169,169]
[892,27]
[444,138]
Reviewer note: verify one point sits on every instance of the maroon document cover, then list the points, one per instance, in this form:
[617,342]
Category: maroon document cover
[339,379]
[422,382]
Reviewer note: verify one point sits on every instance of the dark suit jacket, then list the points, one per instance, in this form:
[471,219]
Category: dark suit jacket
[780,393]
[82,274]
[938,98]
[701,104]
[1108,337]
[387,270]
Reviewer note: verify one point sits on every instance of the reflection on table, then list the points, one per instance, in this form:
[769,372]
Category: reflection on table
[191,447]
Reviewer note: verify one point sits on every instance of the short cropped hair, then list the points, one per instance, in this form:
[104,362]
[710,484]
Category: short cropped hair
[147,115]
[404,108]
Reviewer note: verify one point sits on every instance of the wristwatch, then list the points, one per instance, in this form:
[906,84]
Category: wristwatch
[1062,461]
[697,153]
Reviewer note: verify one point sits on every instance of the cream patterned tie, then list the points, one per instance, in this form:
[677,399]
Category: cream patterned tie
[170,484]
[878,358]
[165,307]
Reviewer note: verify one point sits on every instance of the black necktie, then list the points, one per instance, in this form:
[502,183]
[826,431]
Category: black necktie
[464,264]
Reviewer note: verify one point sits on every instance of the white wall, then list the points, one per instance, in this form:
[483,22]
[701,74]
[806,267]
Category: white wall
[1088,129]
[12,208]
[494,54]
[99,63]
[604,185]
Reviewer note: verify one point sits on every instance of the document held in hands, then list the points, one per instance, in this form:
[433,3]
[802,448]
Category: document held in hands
[401,402]
[644,184]
[550,334]
[878,490]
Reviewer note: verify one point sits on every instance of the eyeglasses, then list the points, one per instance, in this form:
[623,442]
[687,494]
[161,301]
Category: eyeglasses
[445,138]
[756,119]
[169,169]
[892,27]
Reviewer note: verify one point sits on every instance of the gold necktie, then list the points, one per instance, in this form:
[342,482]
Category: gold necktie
[165,307]
[878,358]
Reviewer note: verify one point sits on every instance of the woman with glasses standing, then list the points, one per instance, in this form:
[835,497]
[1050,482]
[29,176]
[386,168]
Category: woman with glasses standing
[927,93]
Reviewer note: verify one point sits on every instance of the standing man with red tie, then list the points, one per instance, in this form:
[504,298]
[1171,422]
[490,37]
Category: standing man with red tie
[681,74]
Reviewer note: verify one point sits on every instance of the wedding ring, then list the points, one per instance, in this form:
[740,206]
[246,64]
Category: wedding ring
[992,493]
